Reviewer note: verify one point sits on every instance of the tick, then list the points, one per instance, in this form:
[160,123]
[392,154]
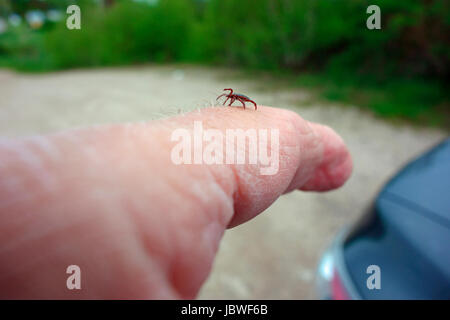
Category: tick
[236,96]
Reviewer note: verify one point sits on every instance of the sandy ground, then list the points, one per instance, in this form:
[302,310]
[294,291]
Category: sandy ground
[275,255]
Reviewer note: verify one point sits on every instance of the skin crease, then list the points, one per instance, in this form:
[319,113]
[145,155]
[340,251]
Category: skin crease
[110,200]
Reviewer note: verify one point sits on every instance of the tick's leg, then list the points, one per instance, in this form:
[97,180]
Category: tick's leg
[228,97]
[256,107]
[232,100]
[243,103]
[223,94]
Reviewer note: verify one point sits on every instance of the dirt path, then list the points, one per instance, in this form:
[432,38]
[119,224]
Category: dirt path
[275,255]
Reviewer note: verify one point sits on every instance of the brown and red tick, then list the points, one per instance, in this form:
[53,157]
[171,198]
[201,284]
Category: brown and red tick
[236,96]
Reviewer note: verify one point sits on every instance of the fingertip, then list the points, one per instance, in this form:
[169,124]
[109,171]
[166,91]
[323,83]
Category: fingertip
[336,165]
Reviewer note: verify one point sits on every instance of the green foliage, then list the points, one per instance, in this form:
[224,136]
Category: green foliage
[126,33]
[23,50]
[417,100]
[317,34]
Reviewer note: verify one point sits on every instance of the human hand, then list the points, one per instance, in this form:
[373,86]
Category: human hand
[110,200]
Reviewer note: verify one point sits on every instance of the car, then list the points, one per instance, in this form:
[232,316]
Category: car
[399,249]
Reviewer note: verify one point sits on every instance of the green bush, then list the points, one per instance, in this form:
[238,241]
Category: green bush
[317,34]
[127,33]
[308,35]
[23,49]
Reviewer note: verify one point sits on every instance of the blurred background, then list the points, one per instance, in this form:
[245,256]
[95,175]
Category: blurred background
[385,91]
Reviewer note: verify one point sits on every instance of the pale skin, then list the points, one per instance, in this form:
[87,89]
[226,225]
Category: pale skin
[109,200]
